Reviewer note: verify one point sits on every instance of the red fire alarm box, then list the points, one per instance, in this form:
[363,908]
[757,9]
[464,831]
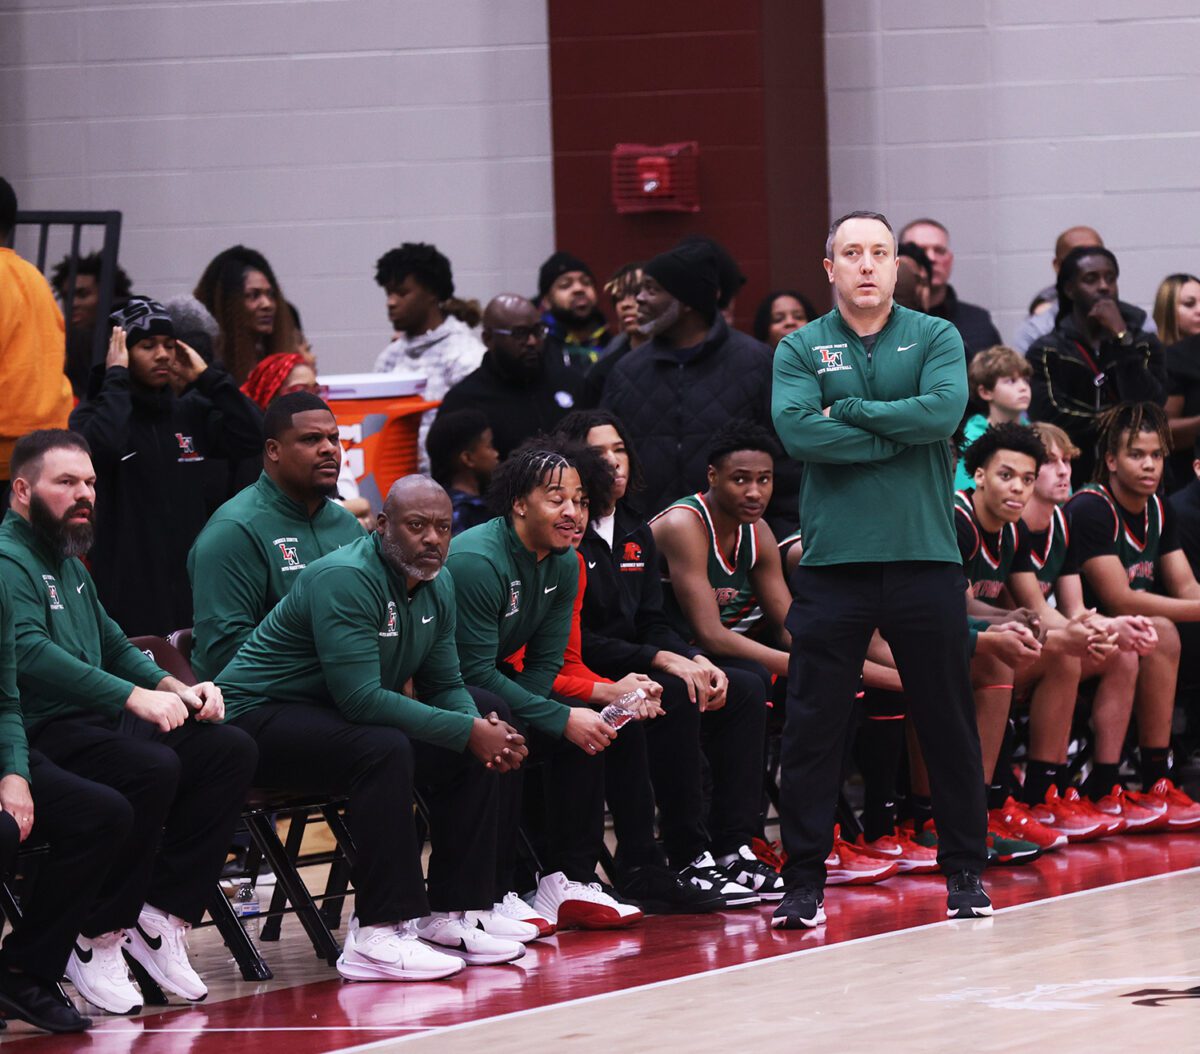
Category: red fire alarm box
[656,178]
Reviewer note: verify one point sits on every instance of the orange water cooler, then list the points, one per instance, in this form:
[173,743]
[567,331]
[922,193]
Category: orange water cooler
[378,416]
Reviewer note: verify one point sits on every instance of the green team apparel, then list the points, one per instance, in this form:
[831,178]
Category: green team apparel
[1049,554]
[1138,556]
[987,561]
[14,748]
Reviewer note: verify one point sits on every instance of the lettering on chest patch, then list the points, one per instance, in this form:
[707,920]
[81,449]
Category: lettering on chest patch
[289,549]
[391,624]
[187,448]
[1143,569]
[52,589]
[832,360]
[631,557]
[987,590]
[514,598]
[725,595]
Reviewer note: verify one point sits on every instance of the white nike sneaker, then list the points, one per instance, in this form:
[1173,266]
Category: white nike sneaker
[450,932]
[97,970]
[159,943]
[586,906]
[514,907]
[498,925]
[392,953]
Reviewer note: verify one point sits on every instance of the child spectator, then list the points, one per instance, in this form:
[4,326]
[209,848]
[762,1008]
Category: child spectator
[462,459]
[999,382]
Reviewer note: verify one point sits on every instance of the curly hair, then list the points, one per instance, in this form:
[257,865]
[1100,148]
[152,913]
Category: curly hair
[88,265]
[1008,436]
[424,263]
[741,435]
[1134,418]
[542,459]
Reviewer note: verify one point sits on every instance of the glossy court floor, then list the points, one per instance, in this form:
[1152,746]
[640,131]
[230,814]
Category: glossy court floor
[1094,948]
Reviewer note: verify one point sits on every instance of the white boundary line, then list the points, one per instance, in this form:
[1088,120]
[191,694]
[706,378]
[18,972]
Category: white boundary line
[650,986]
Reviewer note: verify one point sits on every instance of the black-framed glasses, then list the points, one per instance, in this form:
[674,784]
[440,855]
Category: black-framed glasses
[522,333]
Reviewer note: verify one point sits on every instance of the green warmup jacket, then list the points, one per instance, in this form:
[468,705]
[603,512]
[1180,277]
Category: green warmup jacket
[877,470]
[507,599]
[348,635]
[245,561]
[14,749]
[71,657]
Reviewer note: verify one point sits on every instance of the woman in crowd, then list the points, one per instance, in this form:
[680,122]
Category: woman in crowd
[780,313]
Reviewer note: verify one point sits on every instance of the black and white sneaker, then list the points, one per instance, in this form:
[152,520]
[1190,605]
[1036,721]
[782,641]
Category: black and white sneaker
[660,890]
[704,874]
[802,908]
[747,870]
[966,898]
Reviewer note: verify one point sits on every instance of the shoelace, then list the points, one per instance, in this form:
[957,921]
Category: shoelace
[106,951]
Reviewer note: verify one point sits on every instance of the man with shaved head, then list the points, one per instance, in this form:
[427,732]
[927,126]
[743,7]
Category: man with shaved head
[520,387]
[320,685]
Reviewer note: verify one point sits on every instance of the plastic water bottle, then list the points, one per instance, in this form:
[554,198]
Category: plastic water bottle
[245,907]
[622,710]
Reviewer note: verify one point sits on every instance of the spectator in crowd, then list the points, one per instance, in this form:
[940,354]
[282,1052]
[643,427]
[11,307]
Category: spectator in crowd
[32,345]
[693,376]
[281,373]
[462,459]
[240,290]
[998,379]
[84,299]
[1177,308]
[320,685]
[781,312]
[435,334]
[1177,312]
[576,329]
[302,344]
[250,553]
[730,279]
[521,386]
[194,325]
[1185,510]
[1098,354]
[99,709]
[623,287]
[1041,321]
[914,277]
[148,445]
[973,323]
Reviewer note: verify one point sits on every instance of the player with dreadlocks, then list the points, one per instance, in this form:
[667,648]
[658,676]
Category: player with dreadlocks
[1132,564]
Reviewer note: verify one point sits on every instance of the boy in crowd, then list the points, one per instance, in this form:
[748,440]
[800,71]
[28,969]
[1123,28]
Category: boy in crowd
[462,458]
[999,380]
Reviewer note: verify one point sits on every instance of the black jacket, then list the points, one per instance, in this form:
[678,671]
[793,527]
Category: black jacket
[517,406]
[1183,379]
[973,322]
[150,450]
[1071,391]
[622,624]
[672,409]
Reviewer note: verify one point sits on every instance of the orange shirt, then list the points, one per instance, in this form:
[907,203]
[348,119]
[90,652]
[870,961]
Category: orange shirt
[34,391]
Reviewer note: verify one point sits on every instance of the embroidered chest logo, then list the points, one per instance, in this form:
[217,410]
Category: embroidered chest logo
[187,448]
[725,595]
[391,625]
[514,598]
[631,557]
[290,550]
[832,358]
[52,589]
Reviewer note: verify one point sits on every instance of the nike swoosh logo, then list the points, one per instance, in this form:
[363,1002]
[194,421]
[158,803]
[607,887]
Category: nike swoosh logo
[549,589]
[425,621]
[128,456]
[79,588]
[906,347]
[591,564]
[154,943]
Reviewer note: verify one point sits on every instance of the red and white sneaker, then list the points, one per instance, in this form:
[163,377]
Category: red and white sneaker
[847,866]
[1138,818]
[1182,813]
[898,847]
[513,907]
[1016,820]
[582,905]
[1060,815]
[1112,824]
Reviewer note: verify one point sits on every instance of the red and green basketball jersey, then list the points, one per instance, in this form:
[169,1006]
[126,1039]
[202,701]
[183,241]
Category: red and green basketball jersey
[1139,556]
[988,559]
[1048,552]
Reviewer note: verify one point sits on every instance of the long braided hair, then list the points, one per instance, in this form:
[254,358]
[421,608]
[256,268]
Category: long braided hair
[1133,418]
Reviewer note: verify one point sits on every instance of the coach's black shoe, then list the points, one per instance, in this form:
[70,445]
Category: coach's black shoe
[966,898]
[39,1003]
[660,890]
[802,908]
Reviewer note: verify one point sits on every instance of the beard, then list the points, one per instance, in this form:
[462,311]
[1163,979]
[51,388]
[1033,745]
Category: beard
[665,321]
[64,539]
[404,563]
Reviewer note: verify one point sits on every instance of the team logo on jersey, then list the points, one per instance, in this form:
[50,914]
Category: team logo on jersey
[631,557]
[187,448]
[391,626]
[290,550]
[52,589]
[1143,569]
[831,358]
[514,598]
[725,595]
[987,590]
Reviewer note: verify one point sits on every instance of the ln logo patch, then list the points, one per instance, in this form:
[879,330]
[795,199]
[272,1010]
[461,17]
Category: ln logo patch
[187,448]
[391,626]
[52,589]
[290,551]
[514,598]
[831,358]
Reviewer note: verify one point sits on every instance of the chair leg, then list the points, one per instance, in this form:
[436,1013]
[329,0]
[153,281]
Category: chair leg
[245,954]
[339,871]
[8,904]
[274,919]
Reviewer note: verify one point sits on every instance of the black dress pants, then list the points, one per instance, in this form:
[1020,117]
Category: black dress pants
[920,609]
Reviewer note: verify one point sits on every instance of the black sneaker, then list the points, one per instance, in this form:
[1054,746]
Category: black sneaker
[39,1003]
[802,908]
[747,870]
[660,890]
[705,875]
[965,897]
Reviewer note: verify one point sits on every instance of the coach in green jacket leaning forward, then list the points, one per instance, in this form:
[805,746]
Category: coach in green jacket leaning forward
[867,397]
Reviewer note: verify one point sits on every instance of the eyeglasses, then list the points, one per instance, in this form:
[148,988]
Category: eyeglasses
[522,333]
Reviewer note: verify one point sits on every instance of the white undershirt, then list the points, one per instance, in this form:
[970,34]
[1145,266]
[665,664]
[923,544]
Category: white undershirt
[604,526]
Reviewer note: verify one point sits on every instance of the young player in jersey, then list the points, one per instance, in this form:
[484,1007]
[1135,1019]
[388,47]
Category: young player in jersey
[1132,564]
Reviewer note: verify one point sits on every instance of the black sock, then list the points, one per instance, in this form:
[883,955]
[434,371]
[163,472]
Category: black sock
[1040,776]
[997,795]
[922,811]
[878,748]
[1101,781]
[1153,765]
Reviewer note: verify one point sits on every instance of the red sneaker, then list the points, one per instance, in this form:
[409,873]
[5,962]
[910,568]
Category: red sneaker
[1016,821]
[899,848]
[1183,814]
[1060,815]
[1112,824]
[1138,818]
[770,853]
[846,866]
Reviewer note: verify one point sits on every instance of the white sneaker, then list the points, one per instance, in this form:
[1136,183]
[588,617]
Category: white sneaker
[497,925]
[514,907]
[159,943]
[450,932]
[567,903]
[97,970]
[392,953]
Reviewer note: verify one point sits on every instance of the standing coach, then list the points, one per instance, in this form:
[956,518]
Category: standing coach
[867,397]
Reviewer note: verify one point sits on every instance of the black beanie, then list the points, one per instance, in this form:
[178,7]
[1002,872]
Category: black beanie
[559,264]
[689,273]
[142,317]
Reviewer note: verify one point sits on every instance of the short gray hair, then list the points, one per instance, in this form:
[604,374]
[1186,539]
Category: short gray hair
[856,215]
[194,324]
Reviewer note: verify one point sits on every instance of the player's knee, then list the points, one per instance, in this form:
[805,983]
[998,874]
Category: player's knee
[1168,638]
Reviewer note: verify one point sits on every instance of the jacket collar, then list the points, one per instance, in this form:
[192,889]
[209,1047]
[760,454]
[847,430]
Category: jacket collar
[270,490]
[718,334]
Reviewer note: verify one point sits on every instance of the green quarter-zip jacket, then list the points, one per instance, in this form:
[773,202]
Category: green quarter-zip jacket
[508,599]
[349,635]
[14,748]
[877,470]
[246,560]
[71,657]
